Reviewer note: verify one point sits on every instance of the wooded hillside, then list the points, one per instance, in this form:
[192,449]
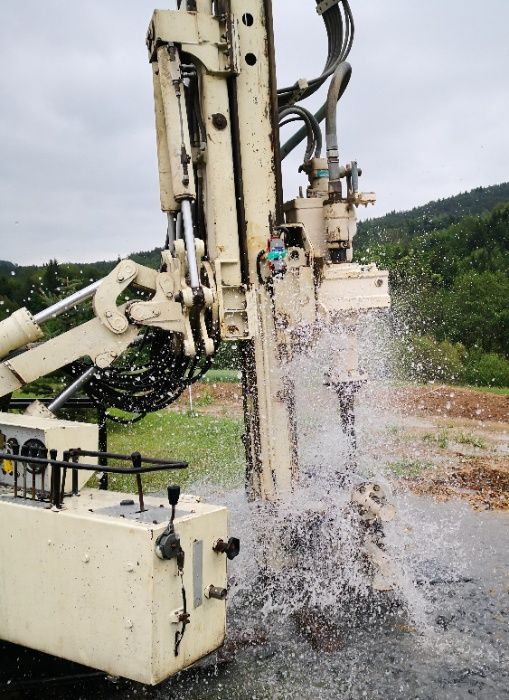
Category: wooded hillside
[448,263]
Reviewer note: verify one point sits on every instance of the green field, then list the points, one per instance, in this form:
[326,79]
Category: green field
[212,447]
[230,376]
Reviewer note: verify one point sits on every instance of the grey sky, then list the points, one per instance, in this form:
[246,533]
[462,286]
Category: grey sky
[425,114]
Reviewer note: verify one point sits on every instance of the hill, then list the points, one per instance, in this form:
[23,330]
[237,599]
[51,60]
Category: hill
[404,225]
[450,292]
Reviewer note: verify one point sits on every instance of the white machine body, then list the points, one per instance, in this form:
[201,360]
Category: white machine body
[93,590]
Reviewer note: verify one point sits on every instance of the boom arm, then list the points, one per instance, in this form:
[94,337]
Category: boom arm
[114,328]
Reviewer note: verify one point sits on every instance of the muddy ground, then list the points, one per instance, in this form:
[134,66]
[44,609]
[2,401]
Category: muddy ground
[444,441]
[461,439]
[452,402]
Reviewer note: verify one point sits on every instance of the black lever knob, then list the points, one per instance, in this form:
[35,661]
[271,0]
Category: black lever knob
[173,494]
[136,460]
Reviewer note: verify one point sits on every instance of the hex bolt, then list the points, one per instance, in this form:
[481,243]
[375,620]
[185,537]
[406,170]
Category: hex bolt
[219,121]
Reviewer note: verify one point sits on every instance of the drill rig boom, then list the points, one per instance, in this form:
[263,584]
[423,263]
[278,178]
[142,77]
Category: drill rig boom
[239,265]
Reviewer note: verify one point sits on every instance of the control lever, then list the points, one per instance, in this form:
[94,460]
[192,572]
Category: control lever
[168,543]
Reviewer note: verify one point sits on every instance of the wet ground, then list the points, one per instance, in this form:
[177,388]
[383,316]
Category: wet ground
[450,638]
[221,398]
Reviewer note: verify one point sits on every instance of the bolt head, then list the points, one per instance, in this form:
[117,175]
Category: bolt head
[219,121]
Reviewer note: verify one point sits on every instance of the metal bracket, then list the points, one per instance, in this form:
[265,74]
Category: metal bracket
[105,299]
[326,5]
[213,43]
[232,305]
[162,311]
[301,87]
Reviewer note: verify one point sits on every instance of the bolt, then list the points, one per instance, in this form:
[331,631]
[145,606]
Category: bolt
[219,121]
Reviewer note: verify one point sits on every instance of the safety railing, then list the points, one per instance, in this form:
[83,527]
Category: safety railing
[37,462]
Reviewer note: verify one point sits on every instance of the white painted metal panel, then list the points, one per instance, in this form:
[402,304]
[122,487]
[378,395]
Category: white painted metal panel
[85,584]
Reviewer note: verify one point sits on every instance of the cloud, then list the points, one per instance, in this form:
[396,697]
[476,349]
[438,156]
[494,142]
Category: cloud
[424,114]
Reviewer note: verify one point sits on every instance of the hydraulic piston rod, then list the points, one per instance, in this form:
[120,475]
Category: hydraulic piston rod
[190,245]
[62,398]
[68,303]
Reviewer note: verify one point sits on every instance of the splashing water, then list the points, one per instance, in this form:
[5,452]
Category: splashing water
[422,641]
[314,530]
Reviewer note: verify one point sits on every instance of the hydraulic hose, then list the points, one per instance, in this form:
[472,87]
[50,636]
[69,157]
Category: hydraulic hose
[338,85]
[311,129]
[319,116]
[340,28]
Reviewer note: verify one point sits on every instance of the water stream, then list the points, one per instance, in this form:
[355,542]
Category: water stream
[443,633]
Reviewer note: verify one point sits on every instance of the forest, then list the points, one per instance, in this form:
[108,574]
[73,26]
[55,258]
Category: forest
[448,262]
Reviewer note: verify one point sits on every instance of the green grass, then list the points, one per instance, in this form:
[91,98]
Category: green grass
[231,376]
[500,390]
[471,439]
[212,447]
[402,383]
[441,439]
[205,399]
[409,467]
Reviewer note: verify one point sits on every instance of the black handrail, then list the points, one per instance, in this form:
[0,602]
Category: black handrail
[69,461]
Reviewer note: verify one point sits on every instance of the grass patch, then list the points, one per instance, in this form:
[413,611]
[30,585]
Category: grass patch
[500,390]
[205,399]
[441,439]
[230,376]
[211,445]
[409,467]
[471,439]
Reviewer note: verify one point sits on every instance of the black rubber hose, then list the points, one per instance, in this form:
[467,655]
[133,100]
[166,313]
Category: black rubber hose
[309,130]
[337,87]
[300,135]
[312,127]
[340,33]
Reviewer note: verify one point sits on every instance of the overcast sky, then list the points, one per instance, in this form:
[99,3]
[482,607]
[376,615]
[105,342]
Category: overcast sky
[425,115]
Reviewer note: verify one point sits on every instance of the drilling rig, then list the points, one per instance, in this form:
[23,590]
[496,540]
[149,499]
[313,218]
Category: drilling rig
[239,265]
